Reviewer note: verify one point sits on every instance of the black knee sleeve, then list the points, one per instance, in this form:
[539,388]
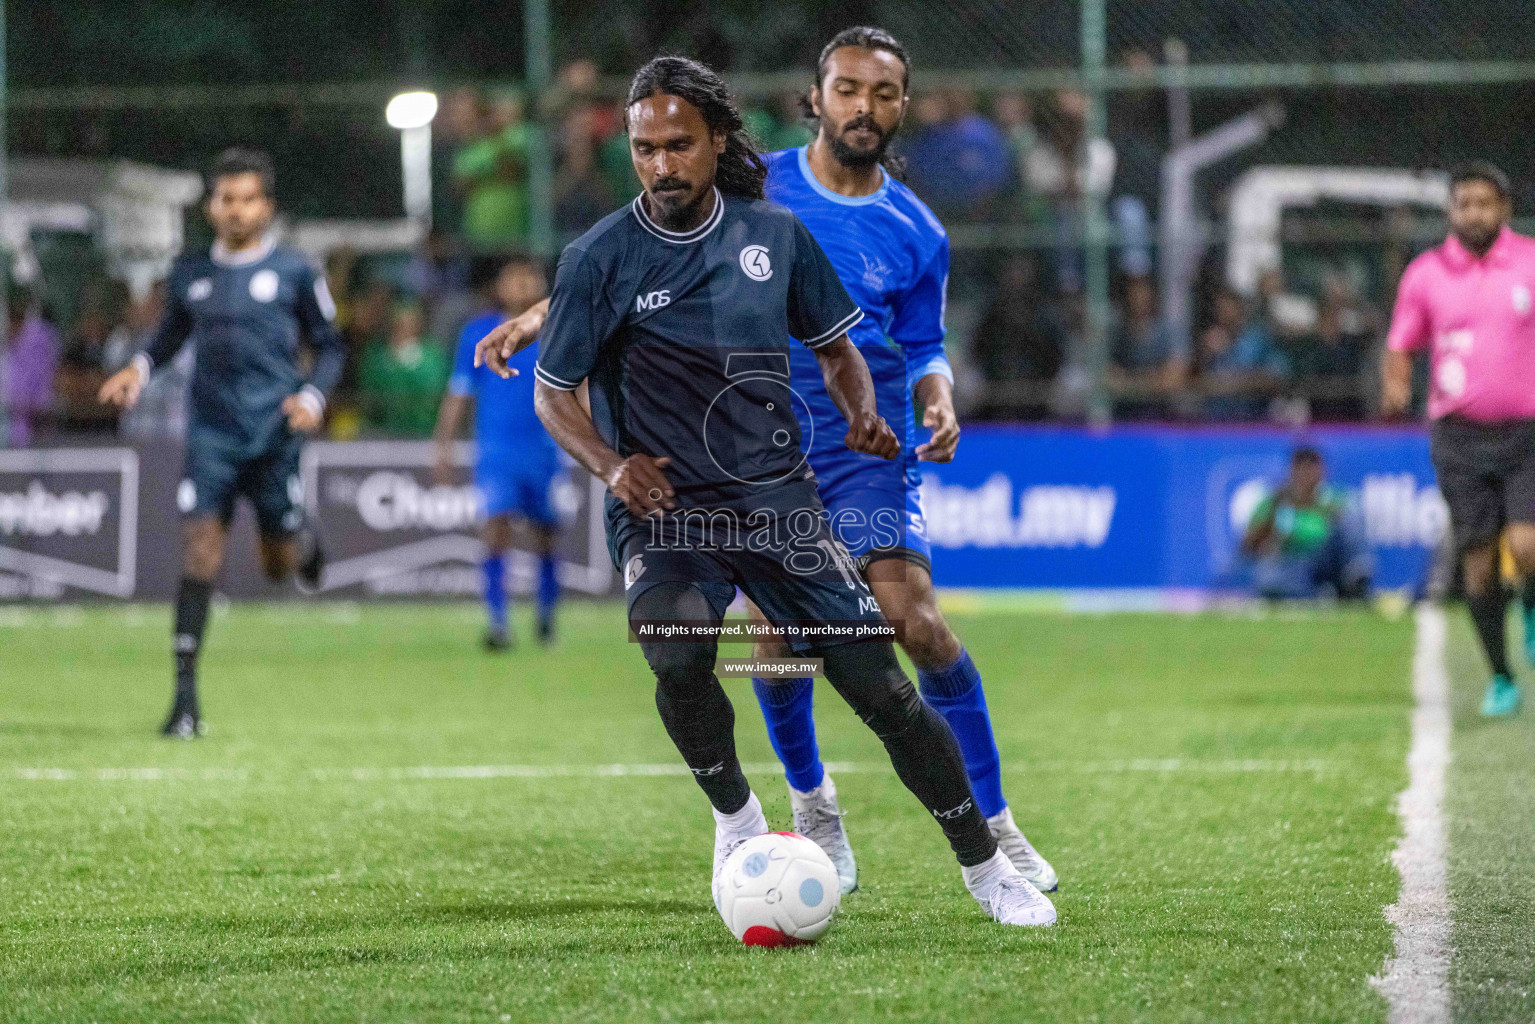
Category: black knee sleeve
[922,749]
[875,687]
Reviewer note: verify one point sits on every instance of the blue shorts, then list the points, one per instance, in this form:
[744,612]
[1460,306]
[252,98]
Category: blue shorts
[875,509]
[793,571]
[523,489]
[214,476]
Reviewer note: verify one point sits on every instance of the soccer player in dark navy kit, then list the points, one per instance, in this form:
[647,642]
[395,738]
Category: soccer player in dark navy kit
[517,466]
[677,309]
[247,305]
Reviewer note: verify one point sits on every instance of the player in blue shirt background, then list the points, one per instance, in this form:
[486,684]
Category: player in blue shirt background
[248,306]
[517,465]
[892,256]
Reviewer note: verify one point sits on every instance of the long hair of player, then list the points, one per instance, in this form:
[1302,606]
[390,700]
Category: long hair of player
[741,169]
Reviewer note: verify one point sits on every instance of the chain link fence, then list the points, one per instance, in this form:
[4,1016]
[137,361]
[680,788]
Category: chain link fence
[1265,170]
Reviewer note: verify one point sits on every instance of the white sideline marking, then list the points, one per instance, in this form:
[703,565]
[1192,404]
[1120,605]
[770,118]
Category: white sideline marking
[608,771]
[1415,982]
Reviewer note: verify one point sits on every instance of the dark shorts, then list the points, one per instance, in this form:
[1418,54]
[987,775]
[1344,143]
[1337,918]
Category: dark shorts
[785,560]
[1486,474]
[215,476]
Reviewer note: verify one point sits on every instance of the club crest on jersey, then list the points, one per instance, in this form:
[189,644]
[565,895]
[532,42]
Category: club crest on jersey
[199,289]
[1521,299]
[264,285]
[755,263]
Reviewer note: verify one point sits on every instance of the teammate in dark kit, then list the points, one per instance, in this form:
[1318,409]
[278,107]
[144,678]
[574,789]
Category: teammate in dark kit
[678,308]
[247,305]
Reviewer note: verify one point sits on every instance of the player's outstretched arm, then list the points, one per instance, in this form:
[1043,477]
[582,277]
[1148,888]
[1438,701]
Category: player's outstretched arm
[851,388]
[936,396]
[510,338]
[637,481]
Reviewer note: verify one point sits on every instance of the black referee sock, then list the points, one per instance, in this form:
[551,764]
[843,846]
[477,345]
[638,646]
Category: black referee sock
[191,618]
[1489,612]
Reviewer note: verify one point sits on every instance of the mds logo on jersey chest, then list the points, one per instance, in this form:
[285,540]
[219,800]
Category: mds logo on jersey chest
[652,300]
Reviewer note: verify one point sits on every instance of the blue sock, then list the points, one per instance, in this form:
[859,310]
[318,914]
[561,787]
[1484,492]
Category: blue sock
[956,694]
[791,729]
[548,587]
[494,567]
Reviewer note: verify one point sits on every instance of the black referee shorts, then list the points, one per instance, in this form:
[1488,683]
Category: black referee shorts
[1487,475]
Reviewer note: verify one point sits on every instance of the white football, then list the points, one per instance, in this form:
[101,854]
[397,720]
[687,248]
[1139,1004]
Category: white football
[778,889]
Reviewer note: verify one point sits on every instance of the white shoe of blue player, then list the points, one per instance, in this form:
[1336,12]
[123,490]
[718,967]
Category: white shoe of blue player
[818,818]
[1011,841]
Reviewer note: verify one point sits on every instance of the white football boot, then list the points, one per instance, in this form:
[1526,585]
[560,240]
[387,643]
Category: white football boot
[730,831]
[1006,895]
[818,818]
[1011,841]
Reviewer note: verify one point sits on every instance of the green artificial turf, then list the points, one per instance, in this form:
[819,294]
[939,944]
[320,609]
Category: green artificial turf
[1216,792]
[1490,809]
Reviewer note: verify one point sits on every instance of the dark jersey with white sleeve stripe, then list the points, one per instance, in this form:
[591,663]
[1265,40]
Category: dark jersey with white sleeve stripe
[685,338]
[247,314]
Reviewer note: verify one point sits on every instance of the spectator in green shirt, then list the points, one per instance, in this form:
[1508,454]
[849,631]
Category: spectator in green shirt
[491,172]
[1307,539]
[402,380]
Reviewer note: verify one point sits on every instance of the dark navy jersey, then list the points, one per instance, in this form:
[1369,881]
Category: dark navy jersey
[247,314]
[685,338]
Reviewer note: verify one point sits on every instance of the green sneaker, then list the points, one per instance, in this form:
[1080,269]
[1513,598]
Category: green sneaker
[1501,698]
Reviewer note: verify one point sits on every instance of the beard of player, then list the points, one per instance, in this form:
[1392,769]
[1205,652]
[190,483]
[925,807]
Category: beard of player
[849,154]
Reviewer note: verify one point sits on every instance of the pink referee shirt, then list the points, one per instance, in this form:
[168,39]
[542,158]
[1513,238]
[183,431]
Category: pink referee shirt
[1478,320]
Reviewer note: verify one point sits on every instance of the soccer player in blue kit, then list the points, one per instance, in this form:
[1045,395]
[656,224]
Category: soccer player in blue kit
[663,306]
[517,464]
[247,305]
[892,255]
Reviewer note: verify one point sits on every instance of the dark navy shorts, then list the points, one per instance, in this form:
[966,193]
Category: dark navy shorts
[214,476]
[779,551]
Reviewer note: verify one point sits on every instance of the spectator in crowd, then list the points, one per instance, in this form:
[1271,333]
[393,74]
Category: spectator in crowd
[1014,115]
[581,193]
[1307,538]
[403,379]
[1330,361]
[438,275]
[1240,368]
[1147,364]
[1020,339]
[1135,129]
[97,347]
[27,369]
[1061,170]
[957,160]
[491,173]
[458,123]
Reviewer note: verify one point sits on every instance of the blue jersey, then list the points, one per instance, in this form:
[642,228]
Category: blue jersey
[892,256]
[505,426]
[247,313]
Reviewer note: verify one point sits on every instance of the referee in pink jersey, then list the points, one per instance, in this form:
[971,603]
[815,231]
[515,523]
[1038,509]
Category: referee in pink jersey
[1469,303]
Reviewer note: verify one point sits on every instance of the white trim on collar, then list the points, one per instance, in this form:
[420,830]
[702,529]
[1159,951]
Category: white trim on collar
[679,237]
[245,257]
